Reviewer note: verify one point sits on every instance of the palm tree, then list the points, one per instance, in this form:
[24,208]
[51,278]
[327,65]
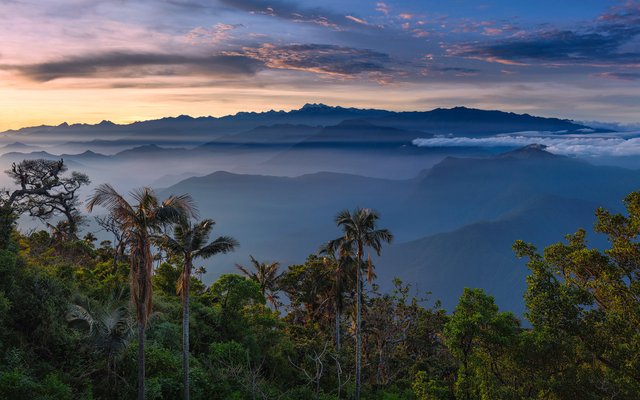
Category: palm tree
[359,232]
[200,271]
[267,276]
[190,242]
[139,221]
[109,326]
[341,264]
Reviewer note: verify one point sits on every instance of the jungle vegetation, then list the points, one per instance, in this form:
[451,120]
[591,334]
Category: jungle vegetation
[131,317]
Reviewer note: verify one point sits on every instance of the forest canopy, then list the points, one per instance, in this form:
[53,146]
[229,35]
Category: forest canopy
[78,316]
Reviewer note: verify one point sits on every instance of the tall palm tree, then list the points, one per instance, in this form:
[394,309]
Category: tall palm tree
[190,242]
[267,276]
[359,232]
[341,264]
[139,221]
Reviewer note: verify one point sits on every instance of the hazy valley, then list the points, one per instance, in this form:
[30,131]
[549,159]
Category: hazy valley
[275,181]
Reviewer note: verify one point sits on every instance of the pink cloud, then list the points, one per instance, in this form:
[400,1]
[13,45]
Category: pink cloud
[218,33]
[420,33]
[383,8]
[356,20]
[492,31]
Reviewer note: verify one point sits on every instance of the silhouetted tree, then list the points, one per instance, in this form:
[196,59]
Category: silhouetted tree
[267,276]
[359,232]
[44,192]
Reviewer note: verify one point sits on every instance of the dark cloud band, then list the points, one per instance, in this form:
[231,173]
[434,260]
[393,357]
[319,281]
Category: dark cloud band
[313,58]
[601,44]
[122,64]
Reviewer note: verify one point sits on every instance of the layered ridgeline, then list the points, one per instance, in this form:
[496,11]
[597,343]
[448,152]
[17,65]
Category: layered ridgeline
[311,139]
[187,129]
[275,181]
[454,223]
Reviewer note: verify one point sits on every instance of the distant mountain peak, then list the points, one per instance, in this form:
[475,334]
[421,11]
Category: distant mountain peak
[530,151]
[17,146]
[534,147]
[181,117]
[316,106]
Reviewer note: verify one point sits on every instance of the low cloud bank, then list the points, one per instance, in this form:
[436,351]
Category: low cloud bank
[600,145]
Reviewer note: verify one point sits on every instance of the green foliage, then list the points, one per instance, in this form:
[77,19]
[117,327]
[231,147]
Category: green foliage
[233,292]
[477,335]
[307,286]
[65,335]
[425,388]
[5,307]
[166,278]
[583,304]
[18,385]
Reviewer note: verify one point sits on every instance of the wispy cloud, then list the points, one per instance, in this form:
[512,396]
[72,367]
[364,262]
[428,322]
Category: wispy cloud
[320,58]
[620,76]
[356,20]
[293,11]
[458,71]
[383,8]
[218,33]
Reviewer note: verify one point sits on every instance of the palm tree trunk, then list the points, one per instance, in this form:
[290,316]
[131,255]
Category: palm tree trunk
[358,319]
[141,329]
[338,348]
[185,330]
[337,329]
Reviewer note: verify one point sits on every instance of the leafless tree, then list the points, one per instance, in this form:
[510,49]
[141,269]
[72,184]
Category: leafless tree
[111,225]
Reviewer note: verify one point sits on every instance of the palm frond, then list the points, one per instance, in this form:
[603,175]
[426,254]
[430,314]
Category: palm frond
[80,317]
[222,245]
[166,242]
[200,233]
[246,271]
[181,206]
[106,196]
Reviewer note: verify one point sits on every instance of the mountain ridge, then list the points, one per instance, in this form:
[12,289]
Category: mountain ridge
[311,110]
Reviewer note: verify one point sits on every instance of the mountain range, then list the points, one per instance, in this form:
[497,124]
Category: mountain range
[275,180]
[186,129]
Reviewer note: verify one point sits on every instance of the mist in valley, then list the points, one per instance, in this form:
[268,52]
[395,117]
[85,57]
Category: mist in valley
[455,199]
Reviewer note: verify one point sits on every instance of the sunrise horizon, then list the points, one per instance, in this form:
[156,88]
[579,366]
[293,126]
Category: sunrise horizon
[89,61]
[624,126]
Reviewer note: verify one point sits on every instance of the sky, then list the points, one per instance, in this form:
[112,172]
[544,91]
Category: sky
[124,61]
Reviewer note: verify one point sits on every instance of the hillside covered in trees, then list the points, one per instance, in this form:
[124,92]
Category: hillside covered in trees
[131,316]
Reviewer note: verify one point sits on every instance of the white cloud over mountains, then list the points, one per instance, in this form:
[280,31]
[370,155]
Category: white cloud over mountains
[587,145]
